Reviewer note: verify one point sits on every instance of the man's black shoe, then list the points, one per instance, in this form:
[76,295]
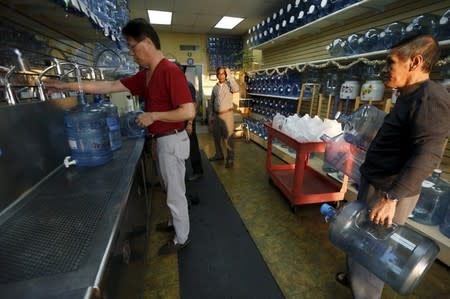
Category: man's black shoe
[164,227]
[171,247]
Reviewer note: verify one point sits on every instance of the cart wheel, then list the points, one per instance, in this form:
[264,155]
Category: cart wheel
[293,208]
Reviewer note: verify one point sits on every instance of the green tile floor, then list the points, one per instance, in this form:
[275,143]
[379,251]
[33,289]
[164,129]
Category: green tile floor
[294,246]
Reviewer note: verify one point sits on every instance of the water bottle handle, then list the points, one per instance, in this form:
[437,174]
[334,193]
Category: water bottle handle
[376,231]
[133,120]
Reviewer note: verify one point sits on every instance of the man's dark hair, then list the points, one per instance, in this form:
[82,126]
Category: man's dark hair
[139,29]
[423,44]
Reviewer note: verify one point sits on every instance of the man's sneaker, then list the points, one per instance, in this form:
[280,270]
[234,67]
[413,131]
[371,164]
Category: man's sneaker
[171,247]
[216,158]
[164,227]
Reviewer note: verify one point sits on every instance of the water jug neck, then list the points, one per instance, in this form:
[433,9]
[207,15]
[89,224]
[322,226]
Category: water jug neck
[328,212]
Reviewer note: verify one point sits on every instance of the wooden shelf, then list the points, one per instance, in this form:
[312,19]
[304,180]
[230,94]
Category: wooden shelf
[272,96]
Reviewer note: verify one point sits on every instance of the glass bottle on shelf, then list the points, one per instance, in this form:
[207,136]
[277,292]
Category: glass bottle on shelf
[432,204]
[425,23]
[370,42]
[392,34]
[444,26]
[373,88]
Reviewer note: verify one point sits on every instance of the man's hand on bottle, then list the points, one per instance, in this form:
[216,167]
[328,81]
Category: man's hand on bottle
[145,119]
[383,212]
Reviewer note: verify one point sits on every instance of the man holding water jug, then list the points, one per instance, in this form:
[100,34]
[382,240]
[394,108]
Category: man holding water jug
[406,148]
[168,105]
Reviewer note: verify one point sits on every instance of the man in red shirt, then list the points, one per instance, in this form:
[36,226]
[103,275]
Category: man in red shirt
[168,105]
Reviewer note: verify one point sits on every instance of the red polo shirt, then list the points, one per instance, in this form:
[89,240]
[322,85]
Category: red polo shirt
[166,90]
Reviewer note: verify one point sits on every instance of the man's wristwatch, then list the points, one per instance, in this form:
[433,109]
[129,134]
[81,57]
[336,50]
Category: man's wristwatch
[390,196]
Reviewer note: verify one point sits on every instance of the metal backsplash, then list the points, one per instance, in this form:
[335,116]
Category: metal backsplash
[32,144]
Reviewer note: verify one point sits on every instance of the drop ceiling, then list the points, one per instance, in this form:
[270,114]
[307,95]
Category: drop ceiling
[200,16]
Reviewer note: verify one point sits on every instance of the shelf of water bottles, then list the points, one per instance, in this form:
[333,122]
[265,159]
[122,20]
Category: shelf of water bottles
[280,86]
[269,107]
[378,40]
[224,52]
[306,16]
[108,16]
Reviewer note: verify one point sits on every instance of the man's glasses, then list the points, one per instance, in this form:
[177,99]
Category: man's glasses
[131,48]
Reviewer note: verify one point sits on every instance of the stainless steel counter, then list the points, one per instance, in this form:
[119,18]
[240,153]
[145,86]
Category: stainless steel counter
[55,241]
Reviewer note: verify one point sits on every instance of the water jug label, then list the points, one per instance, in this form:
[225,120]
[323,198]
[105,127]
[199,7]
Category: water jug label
[73,144]
[402,241]
[427,184]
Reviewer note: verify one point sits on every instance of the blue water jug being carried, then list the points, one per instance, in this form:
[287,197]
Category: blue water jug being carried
[397,255]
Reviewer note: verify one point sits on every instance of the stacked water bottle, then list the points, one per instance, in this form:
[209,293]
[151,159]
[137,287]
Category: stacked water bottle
[256,127]
[286,85]
[433,206]
[223,52]
[269,107]
[375,39]
[296,14]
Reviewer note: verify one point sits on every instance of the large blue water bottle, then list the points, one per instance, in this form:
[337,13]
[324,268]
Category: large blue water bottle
[397,255]
[434,197]
[113,122]
[87,135]
[444,227]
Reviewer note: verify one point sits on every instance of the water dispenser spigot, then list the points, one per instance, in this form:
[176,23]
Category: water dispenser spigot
[9,92]
[68,161]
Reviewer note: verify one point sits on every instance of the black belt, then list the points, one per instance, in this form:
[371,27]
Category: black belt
[171,132]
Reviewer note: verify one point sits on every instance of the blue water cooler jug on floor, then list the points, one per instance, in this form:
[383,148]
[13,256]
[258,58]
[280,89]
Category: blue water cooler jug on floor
[434,197]
[397,255]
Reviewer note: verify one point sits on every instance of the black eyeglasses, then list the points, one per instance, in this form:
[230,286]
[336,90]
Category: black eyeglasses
[131,48]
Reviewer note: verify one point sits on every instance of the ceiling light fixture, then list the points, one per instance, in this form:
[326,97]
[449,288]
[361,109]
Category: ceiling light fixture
[228,22]
[160,17]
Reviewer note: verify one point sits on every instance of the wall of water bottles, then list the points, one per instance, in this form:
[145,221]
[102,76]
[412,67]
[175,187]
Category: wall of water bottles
[375,39]
[224,52]
[107,16]
[296,14]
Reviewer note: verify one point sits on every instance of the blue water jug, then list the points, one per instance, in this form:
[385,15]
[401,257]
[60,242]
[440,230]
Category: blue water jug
[113,122]
[87,134]
[362,125]
[434,197]
[397,255]
[131,129]
[444,227]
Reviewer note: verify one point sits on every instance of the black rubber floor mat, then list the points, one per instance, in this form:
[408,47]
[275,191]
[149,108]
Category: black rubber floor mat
[222,261]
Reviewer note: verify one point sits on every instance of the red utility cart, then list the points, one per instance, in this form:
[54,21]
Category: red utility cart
[300,183]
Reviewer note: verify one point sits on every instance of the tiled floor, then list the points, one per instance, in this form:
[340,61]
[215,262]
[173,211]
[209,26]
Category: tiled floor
[294,246]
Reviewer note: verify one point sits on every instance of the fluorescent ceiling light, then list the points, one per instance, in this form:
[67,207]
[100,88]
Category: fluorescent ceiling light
[228,22]
[160,17]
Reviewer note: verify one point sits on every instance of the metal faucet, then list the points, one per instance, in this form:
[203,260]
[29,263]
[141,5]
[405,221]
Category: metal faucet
[58,65]
[9,92]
